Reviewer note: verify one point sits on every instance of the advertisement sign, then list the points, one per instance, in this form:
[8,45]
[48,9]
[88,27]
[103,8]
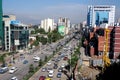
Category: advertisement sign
[17,42]
[61,30]
[15,22]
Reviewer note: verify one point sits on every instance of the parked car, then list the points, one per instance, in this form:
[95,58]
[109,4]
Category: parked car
[62,65]
[51,73]
[36,58]
[13,69]
[42,78]
[55,66]
[14,78]
[49,63]
[53,59]
[4,65]
[59,74]
[49,69]
[3,70]
[65,58]
[25,61]
[48,79]
[44,69]
[60,69]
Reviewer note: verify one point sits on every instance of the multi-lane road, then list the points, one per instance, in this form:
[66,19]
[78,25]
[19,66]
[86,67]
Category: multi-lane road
[23,69]
[47,50]
[66,50]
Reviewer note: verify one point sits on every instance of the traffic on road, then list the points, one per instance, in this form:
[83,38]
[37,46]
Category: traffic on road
[52,70]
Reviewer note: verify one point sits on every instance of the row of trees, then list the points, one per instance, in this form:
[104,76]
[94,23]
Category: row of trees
[72,62]
[50,36]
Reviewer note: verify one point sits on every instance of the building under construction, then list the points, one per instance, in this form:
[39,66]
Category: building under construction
[95,42]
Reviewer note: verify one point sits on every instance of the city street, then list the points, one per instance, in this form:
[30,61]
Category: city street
[24,68]
[66,51]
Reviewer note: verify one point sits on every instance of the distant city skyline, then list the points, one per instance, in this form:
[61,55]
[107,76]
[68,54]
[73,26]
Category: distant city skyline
[33,11]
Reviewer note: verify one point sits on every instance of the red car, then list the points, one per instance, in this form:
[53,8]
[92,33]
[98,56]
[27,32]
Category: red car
[42,78]
[65,58]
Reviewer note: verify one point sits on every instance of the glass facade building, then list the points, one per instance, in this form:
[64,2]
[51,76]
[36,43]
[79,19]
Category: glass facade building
[16,35]
[100,14]
[19,37]
[1,27]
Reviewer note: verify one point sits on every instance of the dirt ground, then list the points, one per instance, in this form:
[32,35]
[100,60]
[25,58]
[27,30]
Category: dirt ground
[88,72]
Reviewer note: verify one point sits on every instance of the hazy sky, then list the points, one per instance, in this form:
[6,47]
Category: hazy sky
[33,11]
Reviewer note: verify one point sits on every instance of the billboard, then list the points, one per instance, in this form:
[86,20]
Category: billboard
[61,30]
[15,22]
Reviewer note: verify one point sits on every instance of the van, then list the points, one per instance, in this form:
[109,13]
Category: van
[3,70]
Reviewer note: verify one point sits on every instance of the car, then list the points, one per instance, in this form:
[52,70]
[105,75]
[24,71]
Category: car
[4,65]
[42,78]
[51,73]
[14,78]
[65,58]
[49,69]
[60,69]
[13,69]
[59,74]
[56,60]
[48,79]
[55,66]
[53,59]
[3,70]
[36,57]
[44,69]
[49,63]
[62,65]
[25,61]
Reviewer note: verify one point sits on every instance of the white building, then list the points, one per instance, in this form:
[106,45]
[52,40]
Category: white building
[47,23]
[99,14]
[66,23]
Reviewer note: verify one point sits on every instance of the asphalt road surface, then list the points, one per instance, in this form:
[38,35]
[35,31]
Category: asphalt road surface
[23,68]
[64,50]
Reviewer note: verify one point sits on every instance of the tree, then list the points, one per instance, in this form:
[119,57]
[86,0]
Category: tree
[41,30]
[32,32]
[35,43]
[2,59]
[43,40]
[40,63]
[46,58]
[49,29]
[31,68]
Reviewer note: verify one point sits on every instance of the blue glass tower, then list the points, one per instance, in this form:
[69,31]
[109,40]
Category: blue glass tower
[100,14]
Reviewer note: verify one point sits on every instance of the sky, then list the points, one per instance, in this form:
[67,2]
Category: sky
[33,11]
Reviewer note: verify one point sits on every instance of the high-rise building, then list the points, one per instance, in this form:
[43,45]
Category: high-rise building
[100,14]
[64,22]
[1,27]
[47,24]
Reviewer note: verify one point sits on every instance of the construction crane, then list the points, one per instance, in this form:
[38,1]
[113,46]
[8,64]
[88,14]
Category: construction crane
[106,59]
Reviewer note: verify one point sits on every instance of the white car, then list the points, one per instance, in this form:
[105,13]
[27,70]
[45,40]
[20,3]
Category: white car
[49,63]
[62,65]
[13,69]
[36,58]
[14,78]
[51,73]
